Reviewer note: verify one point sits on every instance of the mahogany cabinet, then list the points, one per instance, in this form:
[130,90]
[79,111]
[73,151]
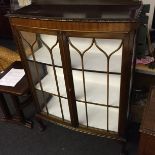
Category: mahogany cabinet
[79,61]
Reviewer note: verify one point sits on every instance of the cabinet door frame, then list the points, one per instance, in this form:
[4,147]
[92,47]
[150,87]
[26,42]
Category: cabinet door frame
[126,69]
[127,58]
[65,66]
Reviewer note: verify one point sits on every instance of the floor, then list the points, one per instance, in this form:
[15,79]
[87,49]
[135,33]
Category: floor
[56,140]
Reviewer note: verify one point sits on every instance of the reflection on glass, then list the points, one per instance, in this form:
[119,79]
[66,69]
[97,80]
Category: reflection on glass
[96,69]
[43,55]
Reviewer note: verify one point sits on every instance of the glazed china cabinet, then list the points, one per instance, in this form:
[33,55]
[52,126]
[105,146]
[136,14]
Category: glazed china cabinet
[79,58]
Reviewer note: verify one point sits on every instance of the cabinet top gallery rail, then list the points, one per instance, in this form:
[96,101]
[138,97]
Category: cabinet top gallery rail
[98,11]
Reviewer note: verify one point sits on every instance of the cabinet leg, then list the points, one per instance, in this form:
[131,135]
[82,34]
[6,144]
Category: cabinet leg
[29,124]
[124,150]
[4,108]
[42,126]
[19,113]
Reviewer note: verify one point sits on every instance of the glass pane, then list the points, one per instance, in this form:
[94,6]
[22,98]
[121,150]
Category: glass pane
[91,54]
[97,116]
[114,89]
[55,109]
[109,46]
[115,62]
[113,119]
[96,83]
[95,53]
[43,56]
[38,71]
[30,42]
[41,47]
[81,113]
[48,91]
[49,82]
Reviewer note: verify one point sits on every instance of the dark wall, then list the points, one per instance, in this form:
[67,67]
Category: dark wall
[4,2]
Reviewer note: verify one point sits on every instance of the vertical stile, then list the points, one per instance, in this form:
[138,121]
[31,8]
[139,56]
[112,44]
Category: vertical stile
[125,83]
[65,58]
[108,93]
[84,87]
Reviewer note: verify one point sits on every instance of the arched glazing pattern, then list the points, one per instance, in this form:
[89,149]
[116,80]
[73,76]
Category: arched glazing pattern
[96,68]
[46,57]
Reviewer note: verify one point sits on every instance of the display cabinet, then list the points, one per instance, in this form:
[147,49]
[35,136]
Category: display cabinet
[79,59]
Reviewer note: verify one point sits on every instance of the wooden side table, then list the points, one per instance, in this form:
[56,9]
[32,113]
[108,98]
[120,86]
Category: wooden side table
[20,89]
[147,139]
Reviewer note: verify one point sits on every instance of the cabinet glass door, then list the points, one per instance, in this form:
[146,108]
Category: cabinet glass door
[43,56]
[96,68]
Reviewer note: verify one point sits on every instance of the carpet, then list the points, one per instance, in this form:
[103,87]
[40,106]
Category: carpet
[55,140]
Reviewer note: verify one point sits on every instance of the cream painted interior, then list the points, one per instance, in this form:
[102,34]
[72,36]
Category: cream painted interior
[95,83]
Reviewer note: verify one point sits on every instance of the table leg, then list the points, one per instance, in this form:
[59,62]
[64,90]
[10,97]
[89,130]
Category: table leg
[4,108]
[19,112]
